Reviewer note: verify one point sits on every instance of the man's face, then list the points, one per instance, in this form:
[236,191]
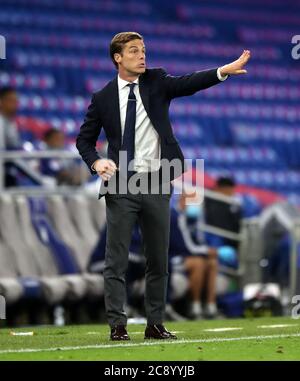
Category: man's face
[133,57]
[9,104]
[56,141]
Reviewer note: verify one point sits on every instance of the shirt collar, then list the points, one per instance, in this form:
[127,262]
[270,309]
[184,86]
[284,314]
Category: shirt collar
[122,83]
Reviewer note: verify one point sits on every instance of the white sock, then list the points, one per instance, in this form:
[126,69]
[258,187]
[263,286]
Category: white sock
[196,308]
[211,308]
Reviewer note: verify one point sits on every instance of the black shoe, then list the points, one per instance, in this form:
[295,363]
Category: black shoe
[158,331]
[119,333]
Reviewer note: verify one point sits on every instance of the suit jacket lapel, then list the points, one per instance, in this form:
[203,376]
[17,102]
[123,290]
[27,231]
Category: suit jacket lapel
[114,101]
[144,91]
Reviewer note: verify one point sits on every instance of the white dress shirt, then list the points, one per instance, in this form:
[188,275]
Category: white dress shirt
[220,78]
[147,141]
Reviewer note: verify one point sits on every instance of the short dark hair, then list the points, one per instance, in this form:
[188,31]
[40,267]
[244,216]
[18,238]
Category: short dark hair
[225,182]
[6,90]
[118,42]
[50,132]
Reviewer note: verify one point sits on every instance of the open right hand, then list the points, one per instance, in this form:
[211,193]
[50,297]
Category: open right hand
[105,168]
[237,66]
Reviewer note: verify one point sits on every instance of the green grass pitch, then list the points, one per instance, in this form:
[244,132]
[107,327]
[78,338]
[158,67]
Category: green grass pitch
[231,339]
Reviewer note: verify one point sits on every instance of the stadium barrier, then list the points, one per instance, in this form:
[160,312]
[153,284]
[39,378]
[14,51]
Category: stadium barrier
[250,240]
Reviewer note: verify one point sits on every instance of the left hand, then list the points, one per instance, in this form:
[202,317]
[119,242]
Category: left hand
[237,66]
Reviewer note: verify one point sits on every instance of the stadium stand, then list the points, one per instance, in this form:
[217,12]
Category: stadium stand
[58,55]
[56,68]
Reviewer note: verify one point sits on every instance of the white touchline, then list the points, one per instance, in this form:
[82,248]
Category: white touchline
[277,325]
[145,344]
[223,329]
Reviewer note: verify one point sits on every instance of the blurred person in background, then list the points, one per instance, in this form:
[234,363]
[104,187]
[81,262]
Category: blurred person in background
[9,134]
[223,215]
[65,171]
[200,261]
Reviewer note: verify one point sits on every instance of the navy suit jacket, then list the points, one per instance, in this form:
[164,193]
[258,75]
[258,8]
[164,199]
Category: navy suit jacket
[157,89]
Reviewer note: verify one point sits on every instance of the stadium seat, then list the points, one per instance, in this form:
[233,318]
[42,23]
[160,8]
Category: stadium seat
[79,210]
[63,224]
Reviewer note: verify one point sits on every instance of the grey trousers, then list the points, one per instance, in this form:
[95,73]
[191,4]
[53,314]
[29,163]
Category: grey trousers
[152,212]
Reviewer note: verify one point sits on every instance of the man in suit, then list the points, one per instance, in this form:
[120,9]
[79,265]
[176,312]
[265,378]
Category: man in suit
[133,111]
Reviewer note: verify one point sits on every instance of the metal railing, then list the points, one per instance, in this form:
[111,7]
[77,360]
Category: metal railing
[249,238]
[251,245]
[18,159]
[46,189]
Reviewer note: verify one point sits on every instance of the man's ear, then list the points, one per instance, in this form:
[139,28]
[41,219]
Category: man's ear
[117,57]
